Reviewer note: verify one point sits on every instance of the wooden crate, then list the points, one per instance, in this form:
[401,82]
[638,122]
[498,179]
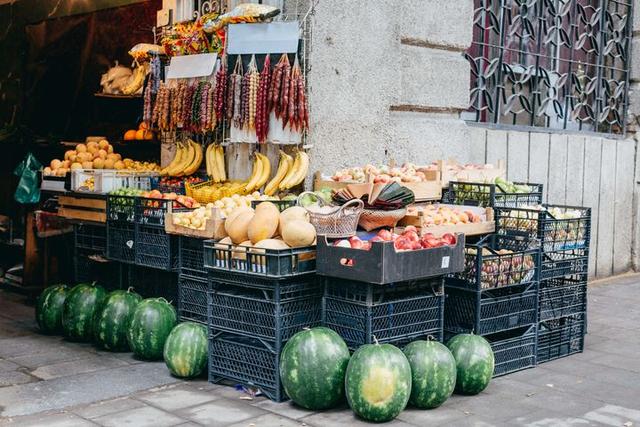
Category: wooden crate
[85,208]
[424,191]
[471,175]
[470,229]
[214,227]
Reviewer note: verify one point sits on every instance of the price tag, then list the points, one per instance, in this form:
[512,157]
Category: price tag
[445,262]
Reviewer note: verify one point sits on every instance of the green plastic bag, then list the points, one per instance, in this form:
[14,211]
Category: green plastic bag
[28,190]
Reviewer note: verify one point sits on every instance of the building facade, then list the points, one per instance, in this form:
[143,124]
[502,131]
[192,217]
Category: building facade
[389,80]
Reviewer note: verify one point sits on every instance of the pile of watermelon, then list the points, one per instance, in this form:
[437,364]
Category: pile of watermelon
[379,380]
[123,321]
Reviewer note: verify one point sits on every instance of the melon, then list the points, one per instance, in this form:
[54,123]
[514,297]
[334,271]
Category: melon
[237,212]
[80,307]
[265,222]
[475,363]
[185,351]
[378,382]
[312,368]
[49,307]
[151,323]
[297,233]
[294,212]
[111,322]
[433,372]
[238,227]
[240,251]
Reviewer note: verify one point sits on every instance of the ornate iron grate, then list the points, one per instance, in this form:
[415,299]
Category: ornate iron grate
[560,64]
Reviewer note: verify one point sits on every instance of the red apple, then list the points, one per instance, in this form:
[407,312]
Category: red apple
[449,239]
[402,243]
[385,235]
[412,236]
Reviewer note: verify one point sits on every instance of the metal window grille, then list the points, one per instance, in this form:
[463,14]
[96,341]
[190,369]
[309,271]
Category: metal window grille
[561,64]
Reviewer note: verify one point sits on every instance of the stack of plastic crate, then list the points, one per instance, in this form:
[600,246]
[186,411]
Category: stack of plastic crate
[121,228]
[384,295]
[258,299]
[154,247]
[563,233]
[192,280]
[496,296]
[492,195]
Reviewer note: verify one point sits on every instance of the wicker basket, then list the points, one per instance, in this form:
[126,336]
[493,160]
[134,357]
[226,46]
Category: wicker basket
[372,219]
[342,222]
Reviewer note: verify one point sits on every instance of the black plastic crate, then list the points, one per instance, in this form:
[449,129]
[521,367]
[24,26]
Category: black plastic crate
[248,361]
[497,262]
[121,238]
[561,337]
[268,263]
[192,256]
[514,350]
[557,228]
[151,212]
[490,311]
[492,195]
[91,237]
[562,297]
[121,208]
[280,204]
[155,248]
[396,314]
[151,282]
[274,313]
[81,267]
[564,263]
[110,275]
[382,264]
[193,298]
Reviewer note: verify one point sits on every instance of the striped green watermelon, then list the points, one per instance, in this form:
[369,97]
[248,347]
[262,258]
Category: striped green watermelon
[378,382]
[474,361]
[433,370]
[49,307]
[312,368]
[112,321]
[152,322]
[79,310]
[186,349]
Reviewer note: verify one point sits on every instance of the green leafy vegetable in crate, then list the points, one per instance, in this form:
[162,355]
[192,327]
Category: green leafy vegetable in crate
[482,193]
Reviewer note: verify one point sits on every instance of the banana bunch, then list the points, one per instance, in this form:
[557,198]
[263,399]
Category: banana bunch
[292,173]
[215,163]
[189,157]
[135,82]
[260,174]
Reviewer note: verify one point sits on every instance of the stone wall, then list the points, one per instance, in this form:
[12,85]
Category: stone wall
[389,82]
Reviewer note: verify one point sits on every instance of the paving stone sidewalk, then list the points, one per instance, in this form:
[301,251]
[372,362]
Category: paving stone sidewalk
[46,381]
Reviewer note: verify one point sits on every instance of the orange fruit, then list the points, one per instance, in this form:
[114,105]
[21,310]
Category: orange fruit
[148,135]
[143,125]
[130,135]
[140,134]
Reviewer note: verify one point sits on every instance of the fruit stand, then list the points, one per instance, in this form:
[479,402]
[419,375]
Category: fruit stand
[366,277]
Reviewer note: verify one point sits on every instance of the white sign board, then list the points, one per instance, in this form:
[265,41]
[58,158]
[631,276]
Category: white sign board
[190,66]
[274,37]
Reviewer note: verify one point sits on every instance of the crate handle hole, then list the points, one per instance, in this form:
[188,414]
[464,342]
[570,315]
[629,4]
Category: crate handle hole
[347,262]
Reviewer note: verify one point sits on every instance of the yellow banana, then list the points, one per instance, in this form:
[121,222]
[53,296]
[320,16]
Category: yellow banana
[207,160]
[266,170]
[197,160]
[255,176]
[135,82]
[215,171]
[284,164]
[301,173]
[177,159]
[220,163]
[291,173]
[188,159]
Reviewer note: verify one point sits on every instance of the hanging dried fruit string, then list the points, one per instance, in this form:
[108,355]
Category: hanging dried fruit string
[151,91]
[262,113]
[299,118]
[275,91]
[221,86]
[211,114]
[236,89]
[195,107]
[254,81]
[246,84]
[284,93]
[204,110]
[292,107]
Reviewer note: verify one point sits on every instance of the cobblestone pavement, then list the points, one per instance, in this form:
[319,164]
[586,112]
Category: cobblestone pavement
[47,381]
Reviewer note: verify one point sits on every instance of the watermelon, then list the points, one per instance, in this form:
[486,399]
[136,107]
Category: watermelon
[112,320]
[186,349]
[378,382]
[49,307]
[151,323]
[79,311]
[312,368]
[474,363]
[433,372]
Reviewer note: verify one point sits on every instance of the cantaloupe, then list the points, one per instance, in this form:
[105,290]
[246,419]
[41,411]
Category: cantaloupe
[236,213]
[240,251]
[294,212]
[238,228]
[298,233]
[259,248]
[265,222]
[222,244]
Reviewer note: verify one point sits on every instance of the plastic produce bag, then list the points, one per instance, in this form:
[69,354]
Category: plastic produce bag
[28,190]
